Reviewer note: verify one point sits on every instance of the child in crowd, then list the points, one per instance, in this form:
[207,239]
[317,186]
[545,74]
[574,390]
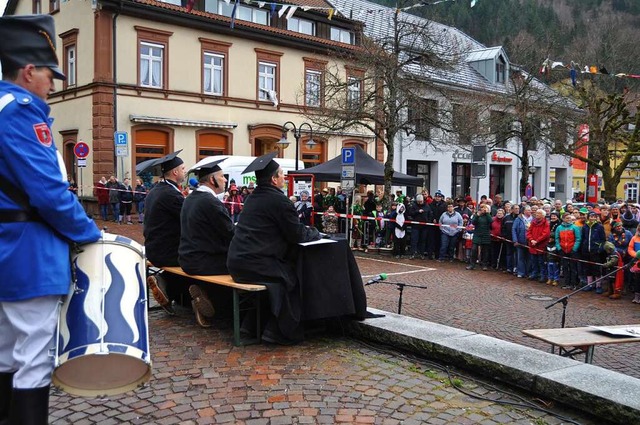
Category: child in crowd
[399,231]
[380,225]
[330,220]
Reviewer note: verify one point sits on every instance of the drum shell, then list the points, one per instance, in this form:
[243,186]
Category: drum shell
[103,340]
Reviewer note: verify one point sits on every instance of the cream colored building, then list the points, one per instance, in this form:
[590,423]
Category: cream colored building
[169,79]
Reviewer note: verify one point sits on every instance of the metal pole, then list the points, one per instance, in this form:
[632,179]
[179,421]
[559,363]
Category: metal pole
[296,134]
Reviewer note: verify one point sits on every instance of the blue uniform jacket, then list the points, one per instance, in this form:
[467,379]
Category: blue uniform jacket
[34,260]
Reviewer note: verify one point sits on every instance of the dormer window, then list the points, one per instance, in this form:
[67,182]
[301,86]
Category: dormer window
[302,26]
[342,35]
[244,13]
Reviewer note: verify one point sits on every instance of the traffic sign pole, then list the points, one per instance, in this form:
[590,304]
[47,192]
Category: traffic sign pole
[348,182]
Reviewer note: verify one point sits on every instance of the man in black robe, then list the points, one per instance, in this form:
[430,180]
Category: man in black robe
[206,232]
[263,249]
[162,228]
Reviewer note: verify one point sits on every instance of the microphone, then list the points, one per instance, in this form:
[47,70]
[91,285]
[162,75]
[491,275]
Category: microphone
[381,276]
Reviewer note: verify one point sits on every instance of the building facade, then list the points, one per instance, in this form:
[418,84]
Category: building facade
[166,78]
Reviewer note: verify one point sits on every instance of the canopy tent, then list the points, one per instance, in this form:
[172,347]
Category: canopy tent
[368,171]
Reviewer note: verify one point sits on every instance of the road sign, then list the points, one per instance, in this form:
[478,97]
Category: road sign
[528,191]
[82,162]
[81,150]
[348,185]
[348,171]
[478,170]
[348,156]
[121,139]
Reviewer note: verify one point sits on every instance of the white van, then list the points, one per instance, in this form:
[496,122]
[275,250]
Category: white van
[233,166]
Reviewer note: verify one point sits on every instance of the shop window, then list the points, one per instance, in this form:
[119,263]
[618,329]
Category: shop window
[460,180]
[212,143]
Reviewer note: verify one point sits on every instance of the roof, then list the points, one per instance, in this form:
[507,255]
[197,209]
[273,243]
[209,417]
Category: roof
[484,54]
[238,23]
[377,22]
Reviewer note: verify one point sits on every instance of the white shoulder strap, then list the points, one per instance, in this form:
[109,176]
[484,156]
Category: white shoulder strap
[5,100]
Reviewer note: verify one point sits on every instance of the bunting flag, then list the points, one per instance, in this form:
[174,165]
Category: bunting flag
[283,8]
[573,67]
[233,13]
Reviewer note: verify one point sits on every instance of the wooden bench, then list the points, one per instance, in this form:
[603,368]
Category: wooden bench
[246,296]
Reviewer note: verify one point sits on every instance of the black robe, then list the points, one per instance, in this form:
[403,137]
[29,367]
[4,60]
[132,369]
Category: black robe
[206,232]
[263,250]
[162,224]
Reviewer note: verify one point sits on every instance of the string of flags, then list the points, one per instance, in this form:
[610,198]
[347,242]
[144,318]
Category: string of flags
[282,8]
[548,65]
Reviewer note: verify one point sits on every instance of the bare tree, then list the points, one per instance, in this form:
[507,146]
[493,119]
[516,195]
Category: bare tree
[390,73]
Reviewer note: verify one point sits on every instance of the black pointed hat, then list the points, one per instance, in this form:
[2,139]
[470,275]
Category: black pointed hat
[29,39]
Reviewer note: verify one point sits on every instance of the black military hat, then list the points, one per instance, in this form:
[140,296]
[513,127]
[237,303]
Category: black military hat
[208,168]
[158,166]
[263,166]
[29,39]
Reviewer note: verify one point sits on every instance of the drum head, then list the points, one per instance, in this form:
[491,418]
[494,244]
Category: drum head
[99,374]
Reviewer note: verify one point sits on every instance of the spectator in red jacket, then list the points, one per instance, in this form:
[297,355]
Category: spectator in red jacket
[538,235]
[102,193]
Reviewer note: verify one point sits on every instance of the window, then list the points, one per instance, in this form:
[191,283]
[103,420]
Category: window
[176,2]
[301,25]
[500,70]
[213,74]
[70,68]
[465,122]
[501,128]
[213,142]
[632,191]
[342,35]
[354,92]
[268,73]
[244,13]
[214,66]
[460,180]
[419,169]
[151,58]
[313,82]
[314,155]
[70,59]
[36,7]
[54,6]
[153,54]
[423,115]
[266,79]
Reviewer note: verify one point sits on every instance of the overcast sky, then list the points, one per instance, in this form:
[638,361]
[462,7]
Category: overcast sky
[3,3]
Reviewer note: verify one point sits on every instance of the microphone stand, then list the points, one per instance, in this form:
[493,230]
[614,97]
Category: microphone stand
[400,287]
[565,298]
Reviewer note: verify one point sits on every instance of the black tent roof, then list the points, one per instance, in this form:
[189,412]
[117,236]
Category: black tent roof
[368,171]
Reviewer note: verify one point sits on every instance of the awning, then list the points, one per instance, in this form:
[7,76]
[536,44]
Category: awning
[180,122]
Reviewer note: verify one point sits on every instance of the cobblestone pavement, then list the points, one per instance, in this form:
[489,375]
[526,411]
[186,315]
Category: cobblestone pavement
[200,378]
[498,304]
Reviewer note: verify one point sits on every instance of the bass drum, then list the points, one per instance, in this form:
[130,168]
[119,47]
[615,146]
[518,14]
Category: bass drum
[103,338]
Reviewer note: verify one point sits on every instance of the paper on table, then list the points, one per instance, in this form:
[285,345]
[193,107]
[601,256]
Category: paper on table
[318,242]
[630,331]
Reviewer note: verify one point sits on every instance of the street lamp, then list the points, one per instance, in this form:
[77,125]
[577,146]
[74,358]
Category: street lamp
[532,167]
[297,133]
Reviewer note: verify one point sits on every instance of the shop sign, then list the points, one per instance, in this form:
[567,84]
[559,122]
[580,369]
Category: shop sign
[461,155]
[496,158]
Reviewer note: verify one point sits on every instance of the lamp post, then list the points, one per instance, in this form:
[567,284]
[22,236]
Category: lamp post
[532,171]
[297,133]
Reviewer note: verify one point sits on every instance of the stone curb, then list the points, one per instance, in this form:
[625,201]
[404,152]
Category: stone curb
[607,394]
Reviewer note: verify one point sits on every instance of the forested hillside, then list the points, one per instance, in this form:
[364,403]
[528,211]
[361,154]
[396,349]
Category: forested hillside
[603,33]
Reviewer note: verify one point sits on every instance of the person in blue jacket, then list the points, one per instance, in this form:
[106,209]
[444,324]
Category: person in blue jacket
[39,218]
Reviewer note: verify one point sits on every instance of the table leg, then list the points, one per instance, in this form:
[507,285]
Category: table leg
[588,358]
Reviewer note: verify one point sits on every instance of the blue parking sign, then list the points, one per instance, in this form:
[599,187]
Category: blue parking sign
[348,156]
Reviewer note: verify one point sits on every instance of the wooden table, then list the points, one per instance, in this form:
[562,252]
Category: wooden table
[572,341]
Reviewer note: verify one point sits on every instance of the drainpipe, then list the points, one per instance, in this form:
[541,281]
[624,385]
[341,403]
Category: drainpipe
[115,88]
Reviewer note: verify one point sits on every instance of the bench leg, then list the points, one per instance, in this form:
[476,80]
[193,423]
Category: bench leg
[237,340]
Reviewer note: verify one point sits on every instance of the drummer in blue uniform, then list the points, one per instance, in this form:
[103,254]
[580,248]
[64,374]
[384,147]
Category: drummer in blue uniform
[39,218]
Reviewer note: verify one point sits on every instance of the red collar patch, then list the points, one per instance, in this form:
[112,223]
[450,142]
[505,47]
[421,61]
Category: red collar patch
[43,133]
